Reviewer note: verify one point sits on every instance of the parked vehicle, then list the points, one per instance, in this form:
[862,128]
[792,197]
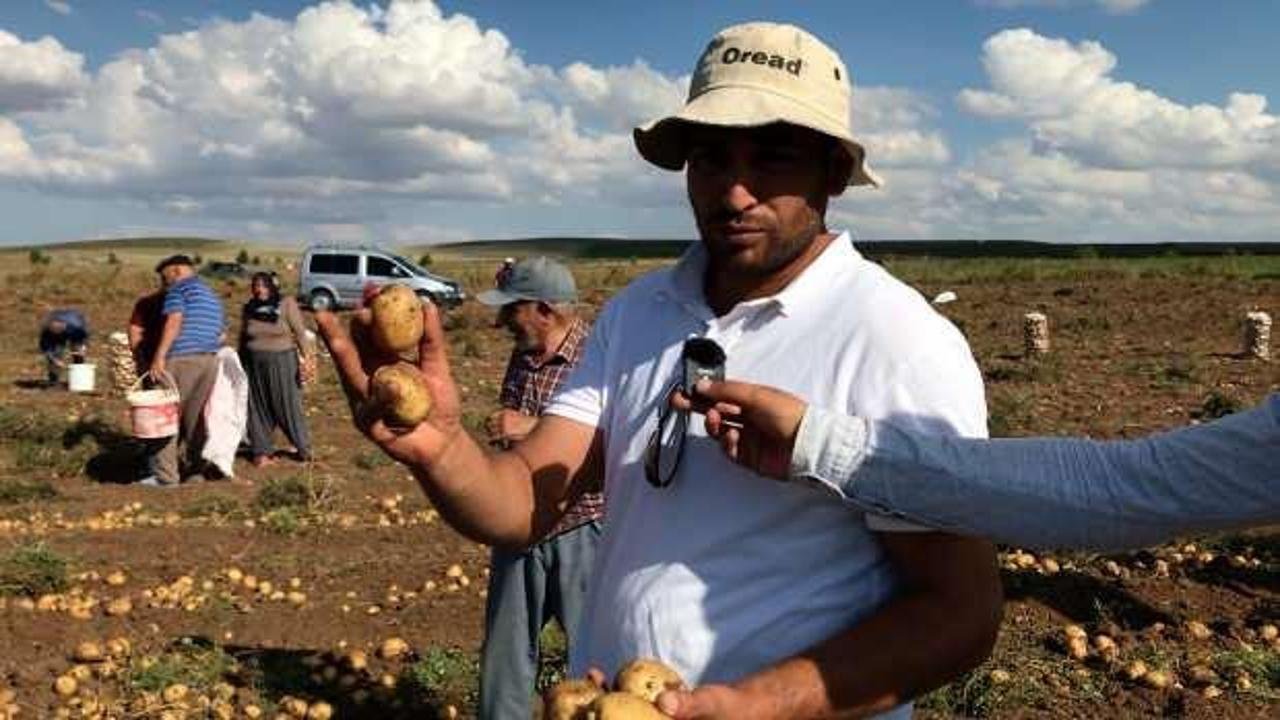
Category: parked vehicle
[335,277]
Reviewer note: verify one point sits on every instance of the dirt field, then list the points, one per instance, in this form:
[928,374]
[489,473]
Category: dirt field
[261,594]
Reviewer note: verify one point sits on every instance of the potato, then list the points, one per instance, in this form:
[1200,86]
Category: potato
[623,706]
[568,699]
[647,678]
[396,319]
[400,395]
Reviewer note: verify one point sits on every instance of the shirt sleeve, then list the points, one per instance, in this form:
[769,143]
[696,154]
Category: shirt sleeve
[293,316]
[584,393]
[1054,492]
[941,394]
[175,301]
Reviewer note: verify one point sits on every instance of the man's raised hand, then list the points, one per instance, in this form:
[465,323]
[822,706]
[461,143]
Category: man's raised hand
[755,425]
[357,357]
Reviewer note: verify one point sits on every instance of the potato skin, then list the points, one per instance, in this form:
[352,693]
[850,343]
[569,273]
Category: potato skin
[397,319]
[400,395]
[569,699]
[623,706]
[647,678]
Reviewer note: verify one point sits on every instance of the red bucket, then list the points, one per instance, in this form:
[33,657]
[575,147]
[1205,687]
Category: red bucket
[153,413]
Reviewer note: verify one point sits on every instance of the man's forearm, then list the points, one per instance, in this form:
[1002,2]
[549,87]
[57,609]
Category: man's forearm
[172,327]
[914,644]
[1053,492]
[485,496]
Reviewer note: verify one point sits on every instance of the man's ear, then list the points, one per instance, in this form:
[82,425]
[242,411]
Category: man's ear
[839,169]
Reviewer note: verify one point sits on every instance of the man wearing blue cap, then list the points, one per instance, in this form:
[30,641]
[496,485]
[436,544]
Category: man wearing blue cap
[529,587]
[63,332]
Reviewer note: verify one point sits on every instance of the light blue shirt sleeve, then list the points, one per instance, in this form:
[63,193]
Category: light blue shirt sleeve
[1049,492]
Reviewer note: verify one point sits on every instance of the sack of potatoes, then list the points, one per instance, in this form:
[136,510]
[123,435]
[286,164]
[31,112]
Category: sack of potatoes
[632,696]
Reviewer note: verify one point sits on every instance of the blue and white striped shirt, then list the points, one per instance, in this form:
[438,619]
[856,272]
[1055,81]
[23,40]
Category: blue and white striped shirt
[202,317]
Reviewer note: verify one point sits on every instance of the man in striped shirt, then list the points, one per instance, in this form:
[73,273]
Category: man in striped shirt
[193,328]
[529,587]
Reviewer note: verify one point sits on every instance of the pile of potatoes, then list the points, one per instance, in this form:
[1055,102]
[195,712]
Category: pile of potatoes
[635,690]
[397,393]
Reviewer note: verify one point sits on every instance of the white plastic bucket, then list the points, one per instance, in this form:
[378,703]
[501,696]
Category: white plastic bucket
[153,414]
[80,377]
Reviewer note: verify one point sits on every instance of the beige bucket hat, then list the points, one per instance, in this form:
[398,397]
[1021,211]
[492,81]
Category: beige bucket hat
[756,74]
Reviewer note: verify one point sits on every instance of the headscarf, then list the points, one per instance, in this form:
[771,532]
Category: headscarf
[265,310]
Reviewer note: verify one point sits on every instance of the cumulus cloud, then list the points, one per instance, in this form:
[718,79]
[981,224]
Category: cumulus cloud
[58,6]
[1116,7]
[37,75]
[1067,95]
[335,115]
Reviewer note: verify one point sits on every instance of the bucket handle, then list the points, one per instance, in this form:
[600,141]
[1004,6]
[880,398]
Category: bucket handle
[166,381]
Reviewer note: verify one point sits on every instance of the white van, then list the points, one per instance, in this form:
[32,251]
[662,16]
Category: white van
[335,277]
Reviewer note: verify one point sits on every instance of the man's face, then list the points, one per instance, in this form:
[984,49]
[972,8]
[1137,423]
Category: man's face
[173,274]
[759,194]
[525,323]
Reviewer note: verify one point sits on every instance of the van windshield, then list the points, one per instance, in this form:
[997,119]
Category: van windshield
[411,266]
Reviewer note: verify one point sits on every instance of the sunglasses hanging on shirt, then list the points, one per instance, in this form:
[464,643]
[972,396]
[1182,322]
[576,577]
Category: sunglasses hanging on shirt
[699,358]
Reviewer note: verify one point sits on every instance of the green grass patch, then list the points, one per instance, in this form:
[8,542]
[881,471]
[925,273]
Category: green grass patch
[212,506]
[553,655]
[370,460]
[33,569]
[14,491]
[443,675]
[299,493]
[283,521]
[1261,665]
[196,664]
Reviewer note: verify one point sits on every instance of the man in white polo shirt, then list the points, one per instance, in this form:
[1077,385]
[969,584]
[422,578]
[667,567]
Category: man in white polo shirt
[773,600]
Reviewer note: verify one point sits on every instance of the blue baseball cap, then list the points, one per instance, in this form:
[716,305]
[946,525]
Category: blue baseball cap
[537,279]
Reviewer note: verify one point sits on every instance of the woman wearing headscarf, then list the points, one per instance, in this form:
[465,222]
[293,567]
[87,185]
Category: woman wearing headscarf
[272,342]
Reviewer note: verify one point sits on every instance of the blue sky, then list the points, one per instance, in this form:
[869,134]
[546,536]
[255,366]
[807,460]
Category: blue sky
[398,121]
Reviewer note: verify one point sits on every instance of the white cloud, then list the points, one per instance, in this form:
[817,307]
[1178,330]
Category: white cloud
[37,75]
[58,6]
[334,116]
[149,16]
[1071,102]
[1115,7]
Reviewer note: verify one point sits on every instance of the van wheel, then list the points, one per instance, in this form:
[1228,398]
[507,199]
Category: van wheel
[321,300]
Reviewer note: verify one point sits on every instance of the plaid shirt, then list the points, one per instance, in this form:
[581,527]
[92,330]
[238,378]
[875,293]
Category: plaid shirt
[528,387]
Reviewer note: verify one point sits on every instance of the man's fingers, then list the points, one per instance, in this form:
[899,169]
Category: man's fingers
[345,355]
[433,350]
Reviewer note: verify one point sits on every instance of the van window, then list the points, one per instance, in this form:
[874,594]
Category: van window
[381,267]
[335,264]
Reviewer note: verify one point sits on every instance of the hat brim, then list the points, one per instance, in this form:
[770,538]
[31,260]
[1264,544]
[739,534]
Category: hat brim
[498,298]
[662,143]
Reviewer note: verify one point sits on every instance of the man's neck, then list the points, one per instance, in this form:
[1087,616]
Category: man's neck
[723,290]
[555,338]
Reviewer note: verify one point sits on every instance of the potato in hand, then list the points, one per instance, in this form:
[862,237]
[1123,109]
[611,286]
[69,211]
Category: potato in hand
[397,319]
[398,394]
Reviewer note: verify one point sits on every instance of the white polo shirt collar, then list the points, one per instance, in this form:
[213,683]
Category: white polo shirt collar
[686,280]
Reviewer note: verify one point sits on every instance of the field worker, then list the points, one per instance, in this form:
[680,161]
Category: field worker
[772,600]
[192,332]
[63,334]
[529,587]
[504,272]
[274,350]
[1030,492]
[146,325]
